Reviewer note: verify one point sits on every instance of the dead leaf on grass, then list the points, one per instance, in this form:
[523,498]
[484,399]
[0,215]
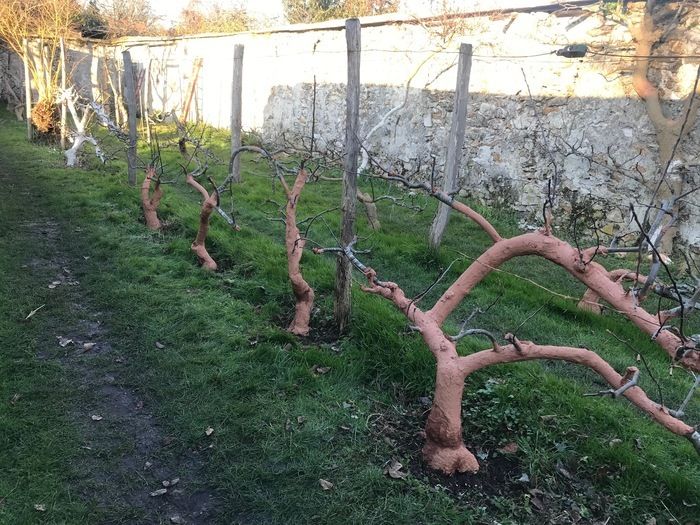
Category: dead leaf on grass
[537,499]
[40,507]
[393,470]
[158,492]
[509,448]
[209,431]
[64,341]
[33,312]
[301,420]
[159,345]
[320,370]
[88,346]
[325,484]
[563,471]
[537,503]
[96,417]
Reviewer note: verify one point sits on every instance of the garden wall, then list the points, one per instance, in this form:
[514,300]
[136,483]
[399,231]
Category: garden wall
[596,126]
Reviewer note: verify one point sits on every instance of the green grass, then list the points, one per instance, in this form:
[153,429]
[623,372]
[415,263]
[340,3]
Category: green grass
[229,364]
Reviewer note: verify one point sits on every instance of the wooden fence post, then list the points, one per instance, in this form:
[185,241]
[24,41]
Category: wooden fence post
[236,110]
[191,87]
[64,104]
[343,276]
[146,101]
[455,142]
[130,94]
[27,90]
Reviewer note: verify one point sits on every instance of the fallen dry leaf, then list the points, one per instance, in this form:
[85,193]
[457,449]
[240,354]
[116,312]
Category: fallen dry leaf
[320,370]
[509,448]
[159,345]
[393,470]
[301,420]
[325,484]
[158,492]
[537,503]
[64,341]
[563,471]
[177,520]
[88,346]
[40,507]
[96,417]
[33,312]
[209,431]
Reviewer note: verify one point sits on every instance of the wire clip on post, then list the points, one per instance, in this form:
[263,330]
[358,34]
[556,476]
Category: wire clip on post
[573,51]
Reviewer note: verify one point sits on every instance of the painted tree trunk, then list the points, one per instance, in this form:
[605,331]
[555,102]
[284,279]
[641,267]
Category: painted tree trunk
[150,202]
[295,243]
[209,204]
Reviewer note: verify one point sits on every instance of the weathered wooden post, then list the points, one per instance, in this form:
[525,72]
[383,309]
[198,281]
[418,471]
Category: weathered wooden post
[343,276]
[196,66]
[27,90]
[146,100]
[236,110]
[64,104]
[455,142]
[130,94]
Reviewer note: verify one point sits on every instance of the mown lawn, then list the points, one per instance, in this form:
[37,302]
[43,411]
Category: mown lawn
[280,426]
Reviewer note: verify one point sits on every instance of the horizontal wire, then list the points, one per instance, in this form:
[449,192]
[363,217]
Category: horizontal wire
[619,56]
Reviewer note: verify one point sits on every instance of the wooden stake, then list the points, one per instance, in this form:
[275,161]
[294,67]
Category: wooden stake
[343,276]
[131,115]
[146,101]
[236,110]
[455,142]
[64,106]
[190,89]
[27,90]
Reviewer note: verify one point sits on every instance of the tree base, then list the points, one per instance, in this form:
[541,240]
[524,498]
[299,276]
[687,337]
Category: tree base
[449,460]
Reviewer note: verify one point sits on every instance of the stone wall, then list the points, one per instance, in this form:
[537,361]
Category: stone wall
[598,132]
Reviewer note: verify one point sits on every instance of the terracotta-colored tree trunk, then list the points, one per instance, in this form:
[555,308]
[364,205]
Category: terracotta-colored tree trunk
[444,449]
[295,243]
[590,300]
[209,204]
[150,201]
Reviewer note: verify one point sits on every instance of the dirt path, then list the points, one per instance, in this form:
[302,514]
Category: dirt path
[130,469]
